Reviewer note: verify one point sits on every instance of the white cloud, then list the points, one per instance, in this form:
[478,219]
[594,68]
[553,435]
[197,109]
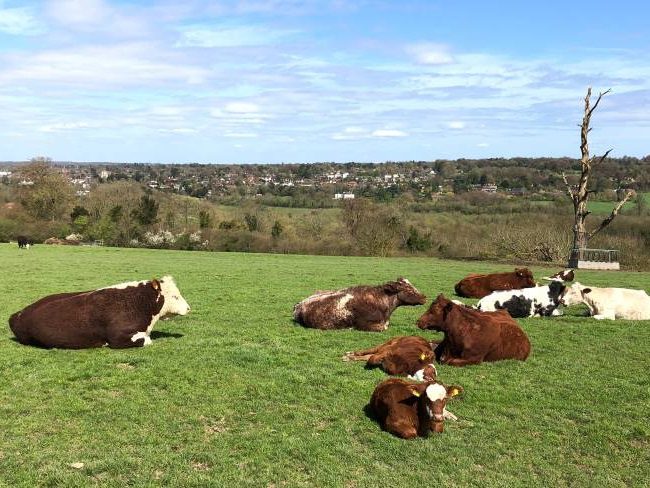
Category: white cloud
[456,125]
[241,108]
[67,126]
[78,12]
[351,133]
[19,21]
[241,135]
[210,36]
[430,53]
[389,133]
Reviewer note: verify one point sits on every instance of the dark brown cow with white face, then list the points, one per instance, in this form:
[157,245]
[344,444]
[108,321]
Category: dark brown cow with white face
[409,410]
[478,285]
[119,316]
[360,307]
[400,356]
[472,336]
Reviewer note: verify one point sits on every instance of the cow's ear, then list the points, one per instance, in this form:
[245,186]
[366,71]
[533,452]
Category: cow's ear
[454,390]
[156,284]
[584,291]
[419,389]
[391,288]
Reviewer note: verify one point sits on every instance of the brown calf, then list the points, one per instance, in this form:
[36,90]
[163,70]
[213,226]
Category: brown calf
[478,285]
[401,356]
[472,336]
[360,307]
[409,410]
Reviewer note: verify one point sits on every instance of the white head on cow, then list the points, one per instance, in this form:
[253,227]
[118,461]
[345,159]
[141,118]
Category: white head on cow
[574,294]
[174,304]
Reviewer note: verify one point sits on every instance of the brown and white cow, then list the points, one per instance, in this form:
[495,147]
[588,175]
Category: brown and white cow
[359,307]
[409,410]
[119,316]
[400,356]
[472,336]
[479,285]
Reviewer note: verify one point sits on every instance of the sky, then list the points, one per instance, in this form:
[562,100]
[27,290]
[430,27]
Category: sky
[270,81]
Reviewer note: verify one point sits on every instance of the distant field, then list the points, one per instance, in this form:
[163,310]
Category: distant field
[236,395]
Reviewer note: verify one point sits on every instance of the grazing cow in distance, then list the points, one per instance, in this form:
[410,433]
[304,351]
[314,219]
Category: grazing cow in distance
[24,242]
[409,410]
[401,356]
[541,301]
[479,285]
[610,303]
[473,336]
[119,316]
[365,308]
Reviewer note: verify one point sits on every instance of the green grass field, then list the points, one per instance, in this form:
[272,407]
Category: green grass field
[235,394]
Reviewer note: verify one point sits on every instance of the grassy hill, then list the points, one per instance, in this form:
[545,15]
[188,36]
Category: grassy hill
[235,394]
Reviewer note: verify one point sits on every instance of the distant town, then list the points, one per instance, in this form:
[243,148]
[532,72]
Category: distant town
[336,181]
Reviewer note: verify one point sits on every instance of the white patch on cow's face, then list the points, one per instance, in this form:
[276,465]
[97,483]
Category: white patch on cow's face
[174,301]
[436,392]
[573,294]
[141,335]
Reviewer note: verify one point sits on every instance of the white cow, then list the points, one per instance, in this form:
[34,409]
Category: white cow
[610,303]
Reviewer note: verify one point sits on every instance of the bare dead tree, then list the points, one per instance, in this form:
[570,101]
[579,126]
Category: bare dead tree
[579,193]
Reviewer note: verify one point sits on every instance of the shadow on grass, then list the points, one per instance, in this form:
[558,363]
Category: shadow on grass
[157,334]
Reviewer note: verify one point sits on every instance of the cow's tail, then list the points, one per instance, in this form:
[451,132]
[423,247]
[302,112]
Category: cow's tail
[297,312]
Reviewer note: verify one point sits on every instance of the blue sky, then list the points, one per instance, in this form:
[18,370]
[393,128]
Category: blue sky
[255,81]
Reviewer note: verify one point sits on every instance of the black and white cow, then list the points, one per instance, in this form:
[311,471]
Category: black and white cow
[24,242]
[118,316]
[540,301]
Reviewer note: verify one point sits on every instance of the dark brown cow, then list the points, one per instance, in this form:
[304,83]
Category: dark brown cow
[478,285]
[564,275]
[118,316]
[472,336]
[401,356]
[409,410]
[360,307]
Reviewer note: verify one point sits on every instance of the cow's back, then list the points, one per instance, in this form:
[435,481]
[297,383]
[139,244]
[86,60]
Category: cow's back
[322,310]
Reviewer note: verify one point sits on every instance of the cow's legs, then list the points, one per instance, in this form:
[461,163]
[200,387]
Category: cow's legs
[123,339]
[461,362]
[376,327]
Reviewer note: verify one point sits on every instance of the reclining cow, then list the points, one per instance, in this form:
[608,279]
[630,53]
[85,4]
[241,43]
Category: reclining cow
[365,308]
[409,410]
[478,285]
[540,301]
[473,336]
[400,356]
[610,303]
[119,316]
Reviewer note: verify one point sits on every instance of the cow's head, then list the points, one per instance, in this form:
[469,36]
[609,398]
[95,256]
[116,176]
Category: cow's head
[564,275]
[574,294]
[406,293]
[434,318]
[524,278]
[432,400]
[556,290]
[174,303]
[429,372]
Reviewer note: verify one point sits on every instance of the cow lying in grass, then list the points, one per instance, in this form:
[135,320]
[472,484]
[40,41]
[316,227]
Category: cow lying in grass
[119,316]
[540,301]
[479,285]
[610,303]
[409,410]
[360,307]
[400,356]
[473,336]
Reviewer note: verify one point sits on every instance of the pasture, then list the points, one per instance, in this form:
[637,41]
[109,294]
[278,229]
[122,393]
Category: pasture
[235,394]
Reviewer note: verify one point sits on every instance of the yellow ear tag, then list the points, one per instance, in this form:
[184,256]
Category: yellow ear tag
[423,357]
[454,392]
[415,393]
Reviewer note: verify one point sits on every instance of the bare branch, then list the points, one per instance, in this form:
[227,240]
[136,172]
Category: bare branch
[611,216]
[600,95]
[568,187]
[600,159]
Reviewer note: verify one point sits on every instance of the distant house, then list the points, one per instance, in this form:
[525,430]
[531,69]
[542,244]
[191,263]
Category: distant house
[343,196]
[489,188]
